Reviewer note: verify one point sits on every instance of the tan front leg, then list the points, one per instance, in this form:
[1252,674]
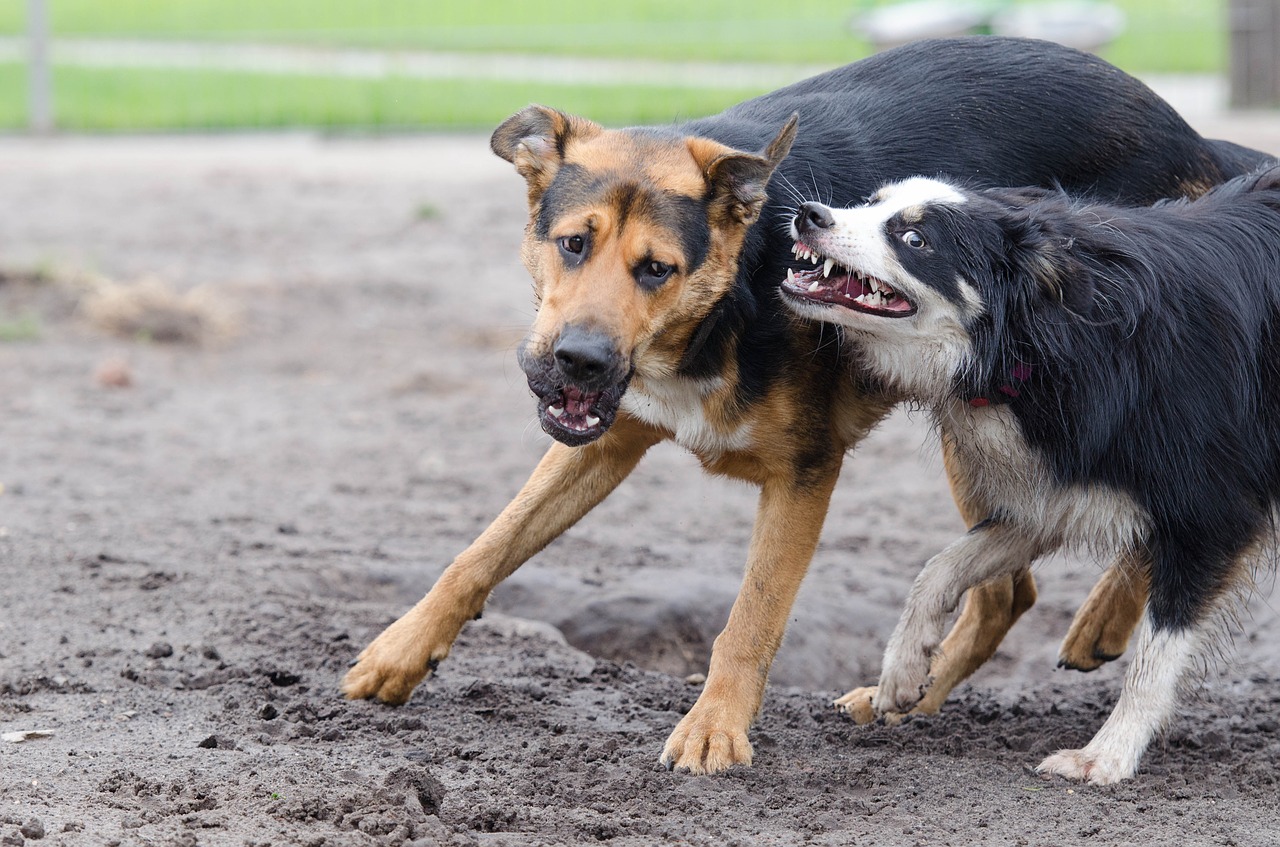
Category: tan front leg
[1103,626]
[713,735]
[568,483]
[989,611]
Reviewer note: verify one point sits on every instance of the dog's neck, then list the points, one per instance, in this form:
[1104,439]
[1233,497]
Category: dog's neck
[1006,392]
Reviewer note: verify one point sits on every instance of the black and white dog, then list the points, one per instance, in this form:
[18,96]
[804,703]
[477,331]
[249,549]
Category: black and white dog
[1108,378]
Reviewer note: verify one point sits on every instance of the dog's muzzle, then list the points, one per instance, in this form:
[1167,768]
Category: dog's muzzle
[579,381]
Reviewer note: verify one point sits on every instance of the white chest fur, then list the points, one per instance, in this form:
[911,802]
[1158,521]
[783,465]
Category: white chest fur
[1012,478]
[680,407]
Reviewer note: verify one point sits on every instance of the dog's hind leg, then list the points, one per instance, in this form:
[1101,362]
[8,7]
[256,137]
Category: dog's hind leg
[713,735]
[1103,626]
[1190,577]
[1145,706]
[568,483]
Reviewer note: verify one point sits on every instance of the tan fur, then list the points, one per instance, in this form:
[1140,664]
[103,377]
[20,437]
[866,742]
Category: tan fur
[794,459]
[1100,632]
[1105,623]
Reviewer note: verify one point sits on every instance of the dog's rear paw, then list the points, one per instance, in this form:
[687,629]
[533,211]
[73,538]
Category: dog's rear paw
[1091,643]
[1102,628]
[1083,766]
[701,745]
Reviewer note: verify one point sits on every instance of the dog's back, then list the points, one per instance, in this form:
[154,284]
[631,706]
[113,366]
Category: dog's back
[1107,376]
[986,111]
[970,108]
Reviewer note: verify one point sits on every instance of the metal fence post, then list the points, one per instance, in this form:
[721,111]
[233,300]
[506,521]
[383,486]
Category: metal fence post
[39,78]
[1254,42]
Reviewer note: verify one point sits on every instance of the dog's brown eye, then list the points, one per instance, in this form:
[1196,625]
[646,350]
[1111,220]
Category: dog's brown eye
[659,270]
[912,239]
[655,273]
[572,244]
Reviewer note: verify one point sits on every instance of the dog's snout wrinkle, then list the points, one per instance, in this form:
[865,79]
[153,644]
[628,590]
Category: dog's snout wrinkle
[812,217]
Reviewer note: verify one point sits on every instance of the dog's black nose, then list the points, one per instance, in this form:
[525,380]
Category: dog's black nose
[585,356]
[814,216]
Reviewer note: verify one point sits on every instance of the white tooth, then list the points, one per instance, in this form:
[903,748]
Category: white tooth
[592,420]
[827,266]
[874,283]
[556,411]
[794,248]
[791,275]
[813,286]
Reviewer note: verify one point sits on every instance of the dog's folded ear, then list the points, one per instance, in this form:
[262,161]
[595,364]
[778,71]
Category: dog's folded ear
[737,181]
[534,140]
[1050,260]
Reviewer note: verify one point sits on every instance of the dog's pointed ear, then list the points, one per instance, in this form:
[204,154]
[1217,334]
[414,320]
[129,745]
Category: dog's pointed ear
[738,181]
[534,140]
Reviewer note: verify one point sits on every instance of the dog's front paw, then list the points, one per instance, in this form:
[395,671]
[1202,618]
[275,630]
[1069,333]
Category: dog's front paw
[392,665]
[903,684]
[1085,766]
[859,705]
[706,742]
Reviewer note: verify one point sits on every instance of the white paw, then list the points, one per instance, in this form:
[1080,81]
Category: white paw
[1083,766]
[902,685]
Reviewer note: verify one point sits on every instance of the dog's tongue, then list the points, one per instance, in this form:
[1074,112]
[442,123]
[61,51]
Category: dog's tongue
[577,402]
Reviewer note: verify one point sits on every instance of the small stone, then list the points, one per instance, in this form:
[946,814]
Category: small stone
[32,829]
[268,712]
[695,679]
[159,650]
[114,373]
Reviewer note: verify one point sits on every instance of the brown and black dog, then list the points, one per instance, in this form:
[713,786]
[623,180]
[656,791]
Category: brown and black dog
[656,254]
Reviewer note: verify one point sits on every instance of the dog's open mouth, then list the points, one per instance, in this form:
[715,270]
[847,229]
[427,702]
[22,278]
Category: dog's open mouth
[574,416]
[832,283]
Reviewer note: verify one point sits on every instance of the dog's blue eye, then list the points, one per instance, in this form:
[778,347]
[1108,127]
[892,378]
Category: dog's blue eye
[572,244]
[912,239]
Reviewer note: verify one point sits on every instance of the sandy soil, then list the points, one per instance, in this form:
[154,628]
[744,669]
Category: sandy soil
[190,562]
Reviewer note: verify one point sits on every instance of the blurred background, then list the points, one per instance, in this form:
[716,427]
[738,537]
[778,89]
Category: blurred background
[162,65]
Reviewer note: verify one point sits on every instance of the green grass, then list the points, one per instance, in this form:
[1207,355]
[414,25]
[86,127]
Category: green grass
[126,99]
[1161,37]
[1186,36]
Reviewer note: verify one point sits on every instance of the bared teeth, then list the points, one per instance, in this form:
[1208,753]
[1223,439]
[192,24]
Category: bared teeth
[592,421]
[791,275]
[814,286]
[827,266]
[556,411]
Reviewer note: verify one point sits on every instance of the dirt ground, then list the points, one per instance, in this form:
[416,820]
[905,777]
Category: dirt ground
[190,561]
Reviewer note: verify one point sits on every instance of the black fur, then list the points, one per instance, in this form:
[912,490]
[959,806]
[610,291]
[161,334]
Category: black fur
[1152,337]
[992,111]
